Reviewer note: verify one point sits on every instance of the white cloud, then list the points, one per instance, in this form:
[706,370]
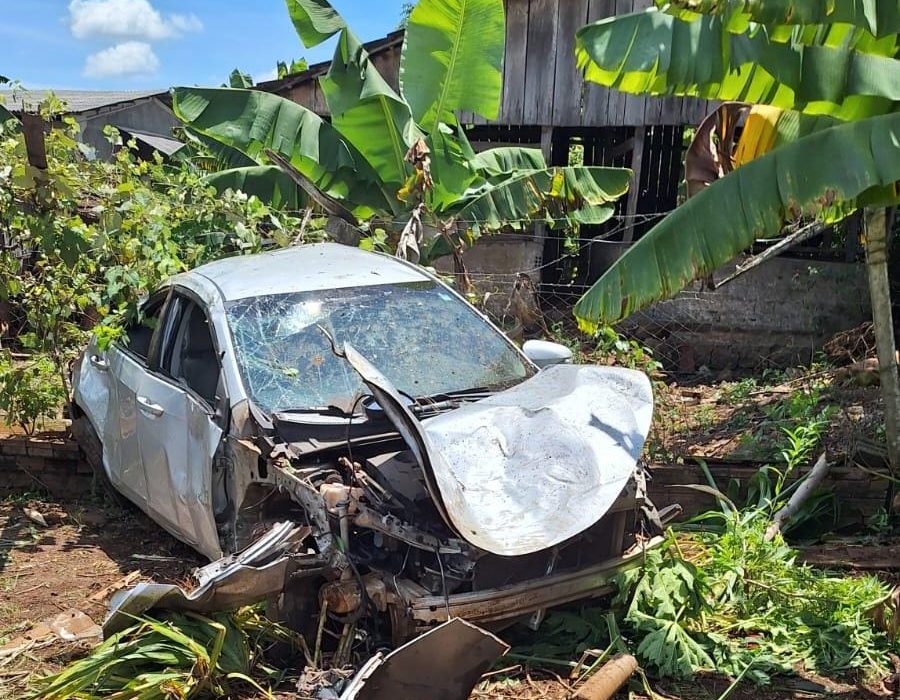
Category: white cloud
[130,58]
[127,19]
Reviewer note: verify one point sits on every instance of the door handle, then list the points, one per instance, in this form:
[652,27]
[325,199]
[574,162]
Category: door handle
[99,363]
[148,406]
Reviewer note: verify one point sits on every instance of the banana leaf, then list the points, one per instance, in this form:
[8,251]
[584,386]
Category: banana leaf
[508,159]
[209,154]
[238,79]
[453,59]
[314,20]
[267,182]
[368,113]
[833,165]
[658,54]
[252,121]
[878,18]
[571,195]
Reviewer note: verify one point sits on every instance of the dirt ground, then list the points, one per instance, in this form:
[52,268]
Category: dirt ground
[89,550]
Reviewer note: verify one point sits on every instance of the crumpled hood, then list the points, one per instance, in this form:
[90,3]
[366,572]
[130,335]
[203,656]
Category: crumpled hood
[531,467]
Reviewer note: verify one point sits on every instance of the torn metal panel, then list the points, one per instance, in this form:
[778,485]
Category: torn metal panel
[256,573]
[533,466]
[443,664]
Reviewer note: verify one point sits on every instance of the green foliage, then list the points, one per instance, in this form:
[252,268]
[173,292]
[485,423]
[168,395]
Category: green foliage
[184,656]
[701,235]
[453,59]
[814,56]
[101,235]
[400,162]
[29,390]
[740,601]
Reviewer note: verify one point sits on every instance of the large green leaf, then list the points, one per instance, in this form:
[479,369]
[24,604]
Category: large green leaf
[658,54]
[367,111]
[836,164]
[314,20]
[209,154]
[267,182]
[566,195]
[508,159]
[878,17]
[252,121]
[453,59]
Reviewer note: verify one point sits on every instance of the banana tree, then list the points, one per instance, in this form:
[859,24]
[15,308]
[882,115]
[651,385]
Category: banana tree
[400,161]
[822,83]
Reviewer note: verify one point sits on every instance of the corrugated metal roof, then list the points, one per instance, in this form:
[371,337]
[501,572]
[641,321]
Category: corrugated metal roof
[76,100]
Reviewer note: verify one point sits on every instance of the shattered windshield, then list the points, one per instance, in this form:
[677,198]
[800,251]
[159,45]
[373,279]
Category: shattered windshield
[421,337]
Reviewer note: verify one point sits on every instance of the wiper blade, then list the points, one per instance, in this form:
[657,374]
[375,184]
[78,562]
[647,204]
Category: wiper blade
[336,411]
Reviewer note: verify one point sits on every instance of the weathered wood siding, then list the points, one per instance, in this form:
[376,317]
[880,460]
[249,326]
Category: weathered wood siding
[541,84]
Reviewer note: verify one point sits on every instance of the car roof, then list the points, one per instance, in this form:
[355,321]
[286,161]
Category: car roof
[305,268]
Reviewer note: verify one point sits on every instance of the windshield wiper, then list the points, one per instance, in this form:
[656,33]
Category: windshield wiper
[336,411]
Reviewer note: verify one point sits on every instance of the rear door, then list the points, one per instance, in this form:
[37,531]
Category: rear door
[180,428]
[126,364]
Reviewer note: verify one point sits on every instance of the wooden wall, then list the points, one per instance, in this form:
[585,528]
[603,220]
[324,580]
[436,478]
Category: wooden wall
[542,86]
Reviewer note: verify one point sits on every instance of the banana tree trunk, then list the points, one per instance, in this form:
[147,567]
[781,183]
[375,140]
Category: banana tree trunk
[880,293]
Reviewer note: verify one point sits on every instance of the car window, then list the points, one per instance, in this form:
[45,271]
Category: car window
[191,357]
[423,338]
[139,334]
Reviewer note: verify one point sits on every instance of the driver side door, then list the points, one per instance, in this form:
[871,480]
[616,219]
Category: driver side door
[179,427]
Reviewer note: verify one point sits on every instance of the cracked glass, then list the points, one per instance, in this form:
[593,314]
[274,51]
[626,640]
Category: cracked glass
[421,337]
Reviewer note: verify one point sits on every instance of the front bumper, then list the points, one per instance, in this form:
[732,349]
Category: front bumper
[496,604]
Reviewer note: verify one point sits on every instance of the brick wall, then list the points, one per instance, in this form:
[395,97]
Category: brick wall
[51,462]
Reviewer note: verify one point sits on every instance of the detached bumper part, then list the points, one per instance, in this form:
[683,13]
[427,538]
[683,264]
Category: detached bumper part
[241,579]
[443,664]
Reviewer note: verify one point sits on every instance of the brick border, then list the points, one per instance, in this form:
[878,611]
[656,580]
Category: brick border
[50,461]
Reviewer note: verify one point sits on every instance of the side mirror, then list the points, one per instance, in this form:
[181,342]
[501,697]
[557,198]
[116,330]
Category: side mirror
[544,353]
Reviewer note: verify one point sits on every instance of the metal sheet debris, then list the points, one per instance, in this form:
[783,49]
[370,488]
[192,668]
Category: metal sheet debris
[443,664]
[226,584]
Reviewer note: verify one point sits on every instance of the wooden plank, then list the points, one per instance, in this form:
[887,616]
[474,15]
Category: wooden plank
[568,85]
[596,97]
[671,110]
[540,64]
[634,190]
[617,99]
[388,64]
[512,110]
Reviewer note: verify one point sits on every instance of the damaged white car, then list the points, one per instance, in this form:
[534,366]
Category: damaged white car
[340,429]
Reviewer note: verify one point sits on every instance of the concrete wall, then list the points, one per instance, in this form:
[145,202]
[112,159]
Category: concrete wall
[493,264]
[147,114]
[777,314]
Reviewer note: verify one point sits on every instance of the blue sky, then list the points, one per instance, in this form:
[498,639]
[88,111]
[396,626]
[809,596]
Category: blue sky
[147,44]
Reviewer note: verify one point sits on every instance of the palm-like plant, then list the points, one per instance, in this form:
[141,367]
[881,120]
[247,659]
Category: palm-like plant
[826,142]
[402,162]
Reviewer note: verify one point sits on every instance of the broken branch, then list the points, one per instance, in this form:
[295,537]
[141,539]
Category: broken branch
[803,492]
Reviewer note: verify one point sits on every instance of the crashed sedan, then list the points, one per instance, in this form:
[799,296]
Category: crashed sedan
[339,429]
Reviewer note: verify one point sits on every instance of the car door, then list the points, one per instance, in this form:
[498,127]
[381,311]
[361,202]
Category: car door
[179,431]
[123,367]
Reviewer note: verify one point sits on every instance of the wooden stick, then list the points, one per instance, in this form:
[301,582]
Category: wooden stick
[604,684]
[804,491]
